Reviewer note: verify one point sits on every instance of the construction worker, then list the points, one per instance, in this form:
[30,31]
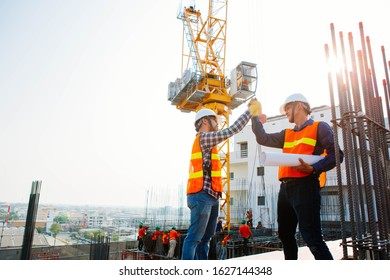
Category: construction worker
[222,255]
[173,236]
[246,233]
[141,235]
[249,217]
[259,228]
[204,186]
[219,226]
[165,242]
[299,199]
[155,236]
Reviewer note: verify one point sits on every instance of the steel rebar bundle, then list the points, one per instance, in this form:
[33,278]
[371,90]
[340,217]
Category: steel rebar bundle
[364,190]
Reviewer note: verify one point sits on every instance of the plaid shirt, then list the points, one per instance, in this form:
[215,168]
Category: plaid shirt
[210,139]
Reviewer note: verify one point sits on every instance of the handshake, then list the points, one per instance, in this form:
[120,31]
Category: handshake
[254,107]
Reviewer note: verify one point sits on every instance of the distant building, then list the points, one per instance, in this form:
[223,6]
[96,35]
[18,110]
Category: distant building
[22,223]
[76,218]
[94,220]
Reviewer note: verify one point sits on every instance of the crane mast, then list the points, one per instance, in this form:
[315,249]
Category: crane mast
[203,83]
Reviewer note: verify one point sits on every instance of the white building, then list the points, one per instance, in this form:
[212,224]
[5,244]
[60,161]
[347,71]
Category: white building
[94,220]
[256,187]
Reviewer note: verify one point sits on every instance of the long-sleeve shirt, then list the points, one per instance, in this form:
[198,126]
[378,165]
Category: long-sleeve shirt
[225,240]
[325,140]
[210,139]
[141,232]
[156,234]
[165,238]
[245,231]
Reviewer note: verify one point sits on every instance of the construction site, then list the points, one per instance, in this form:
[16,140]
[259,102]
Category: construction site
[355,206]
[358,112]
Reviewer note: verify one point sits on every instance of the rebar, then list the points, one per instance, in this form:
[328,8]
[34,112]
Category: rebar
[365,141]
[338,162]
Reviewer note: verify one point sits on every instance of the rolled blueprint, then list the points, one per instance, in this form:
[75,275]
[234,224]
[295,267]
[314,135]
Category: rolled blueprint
[282,159]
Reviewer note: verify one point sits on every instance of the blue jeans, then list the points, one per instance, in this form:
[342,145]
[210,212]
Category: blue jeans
[222,256]
[204,214]
[299,202]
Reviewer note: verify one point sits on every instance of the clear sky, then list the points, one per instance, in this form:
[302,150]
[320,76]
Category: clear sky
[83,86]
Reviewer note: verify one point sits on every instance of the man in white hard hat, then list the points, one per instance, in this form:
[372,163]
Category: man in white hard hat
[299,199]
[204,186]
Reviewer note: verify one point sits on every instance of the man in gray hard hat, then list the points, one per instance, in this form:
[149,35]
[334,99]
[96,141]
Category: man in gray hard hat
[204,186]
[299,199]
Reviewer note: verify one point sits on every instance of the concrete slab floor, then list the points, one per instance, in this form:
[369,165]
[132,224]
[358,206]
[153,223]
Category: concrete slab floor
[303,253]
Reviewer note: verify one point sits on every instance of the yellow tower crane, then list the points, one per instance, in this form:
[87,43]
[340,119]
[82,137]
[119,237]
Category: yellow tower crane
[203,83]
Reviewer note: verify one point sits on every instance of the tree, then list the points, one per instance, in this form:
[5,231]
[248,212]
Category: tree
[55,229]
[88,235]
[99,234]
[115,237]
[61,219]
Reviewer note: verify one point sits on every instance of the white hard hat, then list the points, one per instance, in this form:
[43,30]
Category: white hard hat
[204,113]
[293,98]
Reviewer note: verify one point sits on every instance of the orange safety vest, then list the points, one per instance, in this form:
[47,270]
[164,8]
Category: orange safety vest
[173,234]
[245,231]
[195,181]
[299,142]
[156,234]
[165,238]
[225,240]
[141,232]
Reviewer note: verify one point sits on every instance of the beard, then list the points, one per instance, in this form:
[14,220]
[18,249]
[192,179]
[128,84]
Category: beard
[291,119]
[214,128]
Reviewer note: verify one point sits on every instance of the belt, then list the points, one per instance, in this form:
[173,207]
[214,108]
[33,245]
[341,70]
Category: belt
[292,180]
[289,180]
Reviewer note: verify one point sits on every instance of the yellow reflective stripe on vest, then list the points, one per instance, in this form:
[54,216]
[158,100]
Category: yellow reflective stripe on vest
[215,173]
[215,156]
[196,155]
[198,174]
[307,141]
